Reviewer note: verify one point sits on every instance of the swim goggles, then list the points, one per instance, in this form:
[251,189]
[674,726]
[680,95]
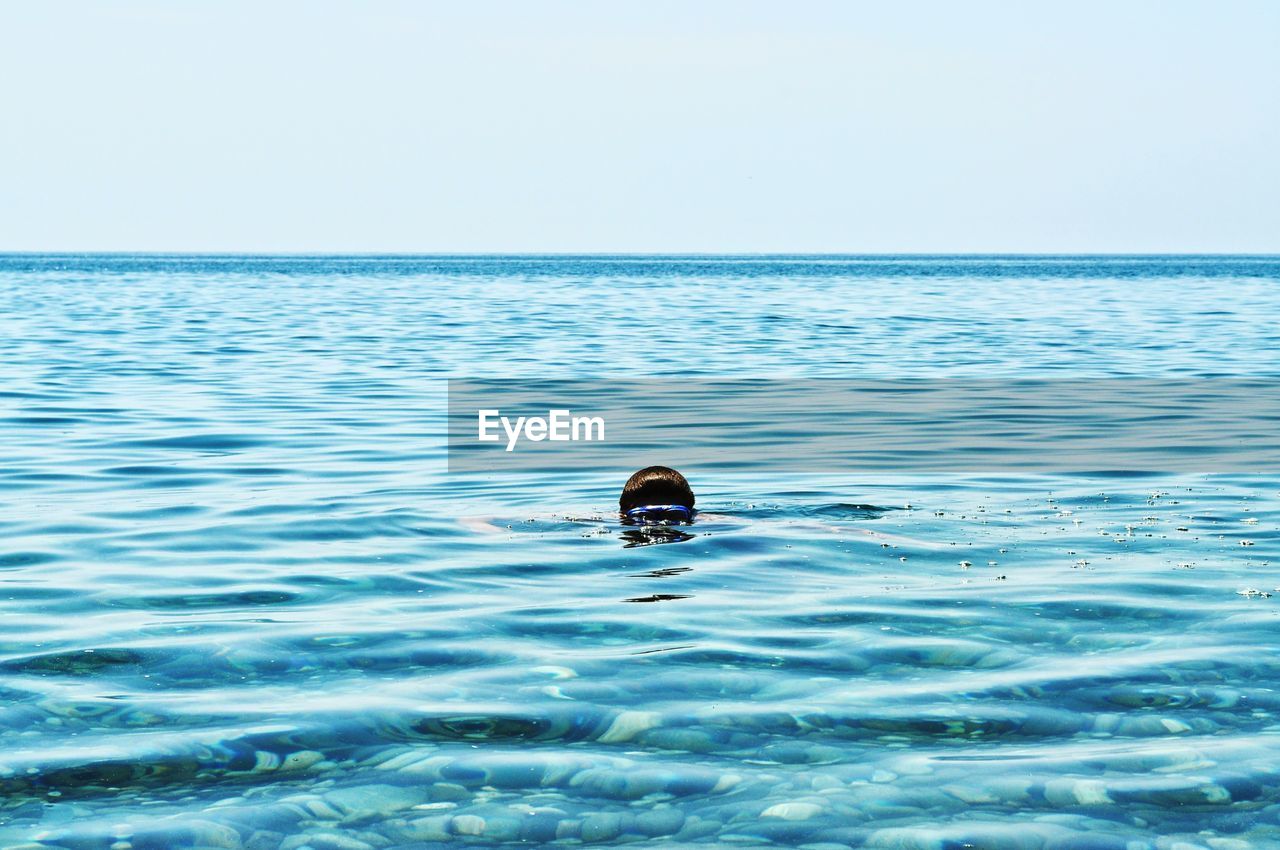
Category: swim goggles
[654,514]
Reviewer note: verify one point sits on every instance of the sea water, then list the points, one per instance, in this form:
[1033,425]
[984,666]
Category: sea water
[243,604]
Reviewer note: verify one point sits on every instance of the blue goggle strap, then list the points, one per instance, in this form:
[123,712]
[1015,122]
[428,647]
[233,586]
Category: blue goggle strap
[660,511]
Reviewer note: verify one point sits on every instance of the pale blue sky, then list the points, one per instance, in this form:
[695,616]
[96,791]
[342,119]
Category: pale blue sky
[655,126]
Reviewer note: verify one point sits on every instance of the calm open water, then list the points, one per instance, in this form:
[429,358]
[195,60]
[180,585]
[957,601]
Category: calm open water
[239,608]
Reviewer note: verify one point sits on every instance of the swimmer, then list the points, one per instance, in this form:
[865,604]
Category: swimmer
[657,500]
[656,495]
[661,496]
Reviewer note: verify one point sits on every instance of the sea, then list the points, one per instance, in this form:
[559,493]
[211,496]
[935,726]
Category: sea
[247,603]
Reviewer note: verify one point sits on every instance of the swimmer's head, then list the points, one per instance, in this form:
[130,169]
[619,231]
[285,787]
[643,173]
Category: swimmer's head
[656,485]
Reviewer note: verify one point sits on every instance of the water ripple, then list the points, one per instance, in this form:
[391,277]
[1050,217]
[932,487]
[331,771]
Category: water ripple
[245,606]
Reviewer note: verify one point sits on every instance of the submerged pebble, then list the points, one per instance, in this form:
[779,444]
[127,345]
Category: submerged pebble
[792,811]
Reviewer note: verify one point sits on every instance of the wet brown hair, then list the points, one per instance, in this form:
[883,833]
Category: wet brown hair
[655,485]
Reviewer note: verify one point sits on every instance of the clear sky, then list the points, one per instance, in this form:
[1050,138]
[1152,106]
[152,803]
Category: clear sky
[694,125]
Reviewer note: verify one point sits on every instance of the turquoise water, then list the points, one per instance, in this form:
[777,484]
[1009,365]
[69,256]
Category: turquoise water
[241,606]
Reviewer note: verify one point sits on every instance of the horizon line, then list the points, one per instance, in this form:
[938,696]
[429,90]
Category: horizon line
[638,254]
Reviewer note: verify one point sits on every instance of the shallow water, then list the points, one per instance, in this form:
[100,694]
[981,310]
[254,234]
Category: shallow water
[238,608]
